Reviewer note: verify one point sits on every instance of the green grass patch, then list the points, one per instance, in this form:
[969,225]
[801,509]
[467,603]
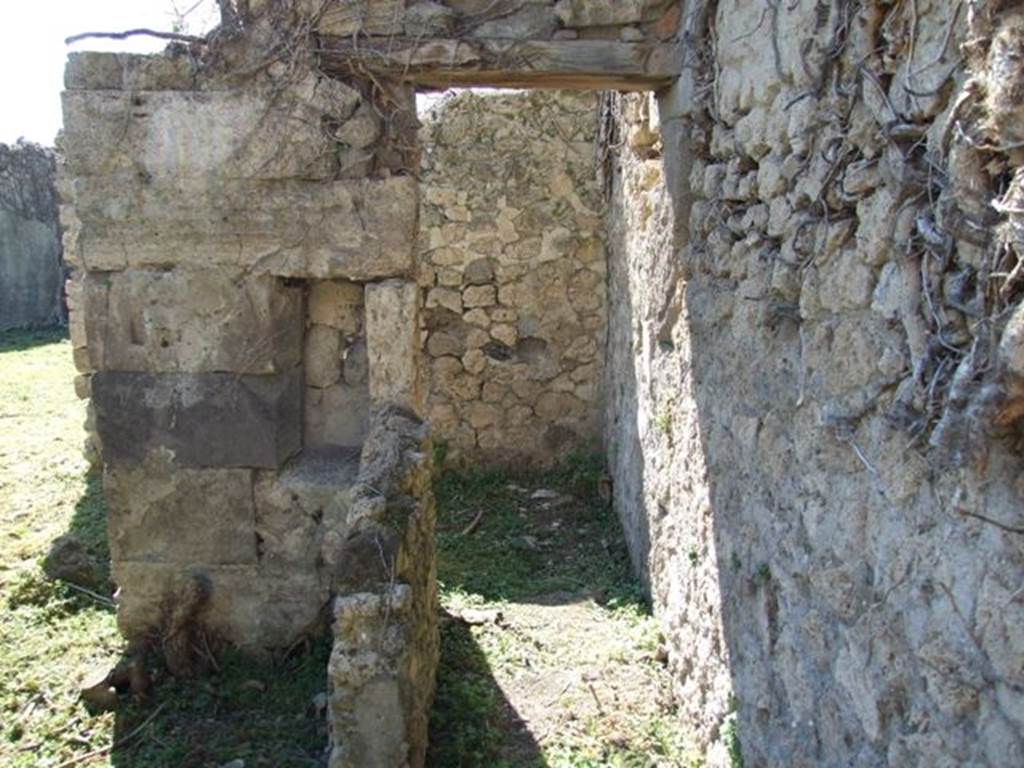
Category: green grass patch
[521,547]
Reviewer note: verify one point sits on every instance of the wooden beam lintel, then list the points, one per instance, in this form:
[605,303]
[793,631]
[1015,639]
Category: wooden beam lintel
[566,64]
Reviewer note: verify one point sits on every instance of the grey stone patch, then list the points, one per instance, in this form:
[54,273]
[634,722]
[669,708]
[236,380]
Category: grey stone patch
[202,420]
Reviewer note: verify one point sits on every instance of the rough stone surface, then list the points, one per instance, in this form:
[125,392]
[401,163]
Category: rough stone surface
[820,494]
[30,252]
[386,646]
[337,398]
[814,374]
[350,229]
[514,271]
[393,343]
[493,19]
[202,420]
[223,230]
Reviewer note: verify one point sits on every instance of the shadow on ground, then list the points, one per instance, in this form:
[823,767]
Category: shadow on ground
[263,713]
[473,723]
[82,555]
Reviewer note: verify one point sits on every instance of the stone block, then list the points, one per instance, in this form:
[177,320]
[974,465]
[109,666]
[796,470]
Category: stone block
[393,343]
[479,296]
[185,134]
[160,513]
[447,298]
[256,613]
[337,304]
[338,415]
[358,230]
[526,21]
[97,71]
[203,420]
[322,357]
[601,13]
[351,17]
[192,322]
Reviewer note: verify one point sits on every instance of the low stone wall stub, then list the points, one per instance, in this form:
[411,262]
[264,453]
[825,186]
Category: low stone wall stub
[386,641]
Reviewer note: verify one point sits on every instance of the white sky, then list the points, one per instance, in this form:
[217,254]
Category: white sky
[32,50]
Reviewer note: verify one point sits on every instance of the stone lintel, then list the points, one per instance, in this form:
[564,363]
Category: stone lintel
[357,230]
[202,420]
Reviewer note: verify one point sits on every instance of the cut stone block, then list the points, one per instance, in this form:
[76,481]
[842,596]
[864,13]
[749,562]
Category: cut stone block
[182,134]
[358,230]
[164,514]
[203,420]
[393,343]
[96,71]
[251,611]
[337,304]
[350,17]
[600,13]
[322,357]
[192,322]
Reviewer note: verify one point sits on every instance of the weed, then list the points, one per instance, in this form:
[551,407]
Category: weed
[664,422]
[762,575]
[574,549]
[441,448]
[731,738]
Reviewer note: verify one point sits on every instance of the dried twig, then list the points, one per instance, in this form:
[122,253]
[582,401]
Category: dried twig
[89,593]
[142,32]
[474,523]
[116,744]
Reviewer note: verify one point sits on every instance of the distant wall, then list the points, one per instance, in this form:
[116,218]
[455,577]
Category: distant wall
[513,265]
[30,269]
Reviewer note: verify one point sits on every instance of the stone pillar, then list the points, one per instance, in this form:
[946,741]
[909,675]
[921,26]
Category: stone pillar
[393,340]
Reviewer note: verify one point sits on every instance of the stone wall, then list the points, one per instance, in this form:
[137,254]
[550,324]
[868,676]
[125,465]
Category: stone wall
[30,253]
[513,266]
[814,371]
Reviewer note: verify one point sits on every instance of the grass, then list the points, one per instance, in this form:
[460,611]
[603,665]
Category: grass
[582,548]
[567,678]
[49,634]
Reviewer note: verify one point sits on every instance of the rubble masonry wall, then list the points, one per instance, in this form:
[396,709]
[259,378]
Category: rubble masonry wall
[815,373]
